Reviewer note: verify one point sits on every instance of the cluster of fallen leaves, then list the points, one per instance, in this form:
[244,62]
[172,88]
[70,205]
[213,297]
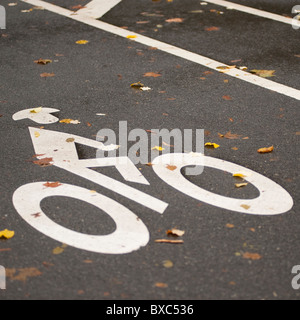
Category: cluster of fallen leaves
[234,136]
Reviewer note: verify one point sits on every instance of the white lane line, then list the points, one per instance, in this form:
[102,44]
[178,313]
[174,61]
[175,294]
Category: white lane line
[193,57]
[256,12]
[98,8]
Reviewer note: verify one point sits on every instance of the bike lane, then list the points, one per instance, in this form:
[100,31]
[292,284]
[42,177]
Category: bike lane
[94,78]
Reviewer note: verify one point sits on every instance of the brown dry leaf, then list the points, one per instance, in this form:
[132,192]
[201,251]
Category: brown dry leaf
[175,232]
[152,74]
[230,135]
[252,256]
[170,167]
[161,285]
[45,162]
[47,75]
[263,73]
[212,29]
[22,274]
[79,6]
[226,97]
[265,150]
[52,184]
[169,241]
[42,61]
[176,20]
[229,225]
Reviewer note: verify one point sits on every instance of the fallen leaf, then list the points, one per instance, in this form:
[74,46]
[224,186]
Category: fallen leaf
[265,150]
[211,144]
[36,215]
[226,67]
[176,20]
[70,140]
[79,6]
[175,232]
[22,274]
[229,225]
[36,134]
[227,98]
[47,75]
[82,41]
[169,241]
[230,135]
[131,36]
[152,74]
[168,264]
[239,185]
[170,167]
[6,234]
[45,162]
[42,61]
[36,110]
[137,85]
[59,250]
[158,148]
[52,184]
[252,256]
[69,121]
[245,206]
[212,29]
[241,174]
[263,73]
[161,285]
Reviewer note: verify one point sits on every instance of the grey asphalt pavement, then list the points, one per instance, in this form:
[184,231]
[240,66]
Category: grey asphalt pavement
[225,254]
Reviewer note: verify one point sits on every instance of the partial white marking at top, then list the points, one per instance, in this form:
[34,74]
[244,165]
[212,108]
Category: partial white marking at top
[256,12]
[98,8]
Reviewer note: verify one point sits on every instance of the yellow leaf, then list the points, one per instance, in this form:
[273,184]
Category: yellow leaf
[265,150]
[245,206]
[6,234]
[36,110]
[131,36]
[82,41]
[211,144]
[43,61]
[69,121]
[36,134]
[239,185]
[158,148]
[241,174]
[264,73]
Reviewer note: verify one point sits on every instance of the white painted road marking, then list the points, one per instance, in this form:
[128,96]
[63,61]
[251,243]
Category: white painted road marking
[130,233]
[42,117]
[250,10]
[273,199]
[207,62]
[98,8]
[53,144]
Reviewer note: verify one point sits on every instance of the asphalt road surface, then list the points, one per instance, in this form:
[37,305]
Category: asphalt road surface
[203,63]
